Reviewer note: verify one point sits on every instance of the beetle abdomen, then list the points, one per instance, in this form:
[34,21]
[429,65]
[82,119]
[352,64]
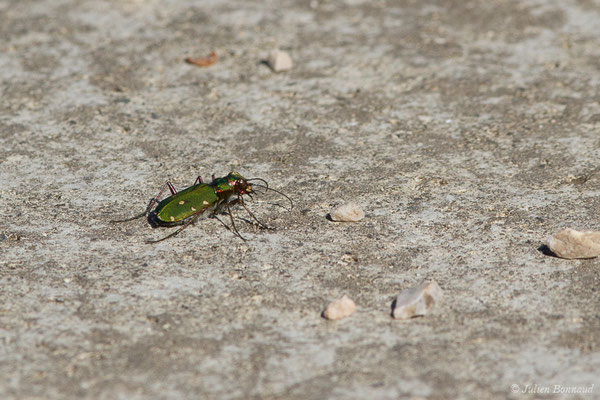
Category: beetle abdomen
[155,221]
[179,208]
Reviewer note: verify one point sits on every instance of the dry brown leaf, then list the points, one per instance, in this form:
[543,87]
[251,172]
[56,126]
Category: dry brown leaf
[203,61]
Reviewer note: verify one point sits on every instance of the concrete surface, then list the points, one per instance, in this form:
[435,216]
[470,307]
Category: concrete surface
[468,131]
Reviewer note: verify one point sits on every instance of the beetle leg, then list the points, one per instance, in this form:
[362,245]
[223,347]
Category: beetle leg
[155,199]
[171,188]
[191,221]
[234,202]
[221,221]
[198,180]
[114,221]
[234,229]
[151,204]
[241,201]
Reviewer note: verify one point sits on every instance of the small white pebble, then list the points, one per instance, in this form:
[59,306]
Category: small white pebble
[340,308]
[279,61]
[349,212]
[570,244]
[417,301]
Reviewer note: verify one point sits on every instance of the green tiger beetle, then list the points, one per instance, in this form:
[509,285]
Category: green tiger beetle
[201,199]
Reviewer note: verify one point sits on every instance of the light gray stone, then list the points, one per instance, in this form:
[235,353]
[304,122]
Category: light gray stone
[280,61]
[349,212]
[340,308]
[417,301]
[570,244]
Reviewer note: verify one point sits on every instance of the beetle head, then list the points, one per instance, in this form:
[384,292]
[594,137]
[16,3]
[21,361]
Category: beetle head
[239,184]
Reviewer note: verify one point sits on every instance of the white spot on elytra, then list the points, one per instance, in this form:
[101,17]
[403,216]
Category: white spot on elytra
[193,209]
[182,202]
[172,218]
[205,202]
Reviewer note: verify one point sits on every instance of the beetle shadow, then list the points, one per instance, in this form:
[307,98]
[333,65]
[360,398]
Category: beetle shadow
[278,205]
[254,223]
[238,218]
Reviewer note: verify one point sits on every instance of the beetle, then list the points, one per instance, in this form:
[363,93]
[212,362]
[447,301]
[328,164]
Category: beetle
[201,199]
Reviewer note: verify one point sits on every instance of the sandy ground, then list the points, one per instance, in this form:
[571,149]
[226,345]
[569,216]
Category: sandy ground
[468,131]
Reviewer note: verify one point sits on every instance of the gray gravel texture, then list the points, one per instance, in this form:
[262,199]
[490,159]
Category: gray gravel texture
[468,131]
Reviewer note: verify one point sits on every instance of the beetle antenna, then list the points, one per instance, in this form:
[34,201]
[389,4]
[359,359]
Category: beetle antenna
[259,179]
[241,200]
[277,191]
